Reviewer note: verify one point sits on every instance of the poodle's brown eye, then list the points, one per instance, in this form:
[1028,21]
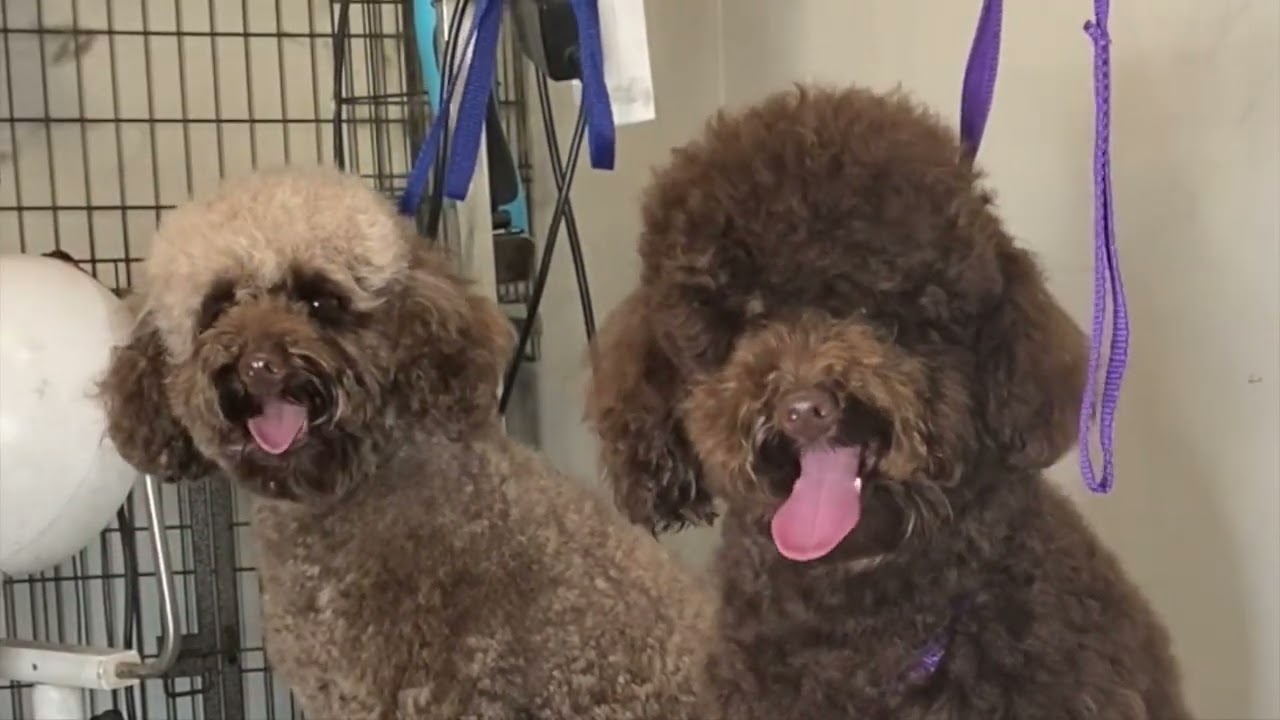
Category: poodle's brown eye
[325,307]
[704,328]
[216,301]
[325,301]
[884,324]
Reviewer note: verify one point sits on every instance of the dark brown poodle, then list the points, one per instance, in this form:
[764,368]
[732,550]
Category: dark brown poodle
[296,336]
[835,337]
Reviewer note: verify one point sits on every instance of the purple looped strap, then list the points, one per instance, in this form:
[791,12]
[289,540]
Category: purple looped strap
[1106,274]
[975,106]
[980,75]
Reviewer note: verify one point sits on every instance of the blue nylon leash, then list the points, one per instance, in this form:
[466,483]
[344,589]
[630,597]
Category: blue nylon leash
[601,134]
[420,173]
[470,116]
[468,126]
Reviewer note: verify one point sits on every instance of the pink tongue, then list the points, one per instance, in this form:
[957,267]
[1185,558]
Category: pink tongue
[280,423]
[824,506]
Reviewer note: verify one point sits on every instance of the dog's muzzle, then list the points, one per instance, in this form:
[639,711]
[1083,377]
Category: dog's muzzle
[829,448]
[274,396]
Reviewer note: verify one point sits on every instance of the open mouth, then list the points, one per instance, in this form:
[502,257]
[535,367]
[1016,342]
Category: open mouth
[280,423]
[825,502]
[279,426]
[275,420]
[823,484]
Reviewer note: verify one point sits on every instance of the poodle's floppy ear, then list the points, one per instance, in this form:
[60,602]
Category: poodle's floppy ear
[140,421]
[457,344]
[1034,359]
[631,406]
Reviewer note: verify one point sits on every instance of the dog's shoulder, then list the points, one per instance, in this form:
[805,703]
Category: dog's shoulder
[1060,604]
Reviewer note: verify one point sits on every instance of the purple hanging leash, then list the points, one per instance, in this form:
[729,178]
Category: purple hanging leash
[980,75]
[1106,272]
[975,107]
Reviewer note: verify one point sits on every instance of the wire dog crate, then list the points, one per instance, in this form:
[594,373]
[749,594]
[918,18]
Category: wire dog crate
[110,114]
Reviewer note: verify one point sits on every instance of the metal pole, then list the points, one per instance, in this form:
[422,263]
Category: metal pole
[473,217]
[172,641]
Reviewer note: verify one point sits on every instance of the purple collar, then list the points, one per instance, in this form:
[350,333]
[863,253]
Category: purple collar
[935,651]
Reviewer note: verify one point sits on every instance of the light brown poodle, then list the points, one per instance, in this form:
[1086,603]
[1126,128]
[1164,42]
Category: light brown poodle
[296,336]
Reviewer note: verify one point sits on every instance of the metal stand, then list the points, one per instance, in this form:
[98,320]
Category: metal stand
[61,673]
[213,650]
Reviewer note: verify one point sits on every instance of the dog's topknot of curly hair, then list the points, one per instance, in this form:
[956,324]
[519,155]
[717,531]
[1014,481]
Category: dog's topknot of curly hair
[808,177]
[258,225]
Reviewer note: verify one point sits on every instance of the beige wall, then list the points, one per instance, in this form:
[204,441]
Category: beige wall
[1196,514]
[685,51]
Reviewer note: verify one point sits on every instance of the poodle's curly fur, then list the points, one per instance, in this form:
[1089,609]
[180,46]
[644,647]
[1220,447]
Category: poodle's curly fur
[415,562]
[836,245]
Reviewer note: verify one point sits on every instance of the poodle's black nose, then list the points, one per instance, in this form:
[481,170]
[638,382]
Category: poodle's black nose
[263,372]
[807,416]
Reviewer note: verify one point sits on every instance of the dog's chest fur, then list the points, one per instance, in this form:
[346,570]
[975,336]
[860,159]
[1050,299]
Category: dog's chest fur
[813,642]
[336,597]
[371,604]
[478,586]
[1016,611]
